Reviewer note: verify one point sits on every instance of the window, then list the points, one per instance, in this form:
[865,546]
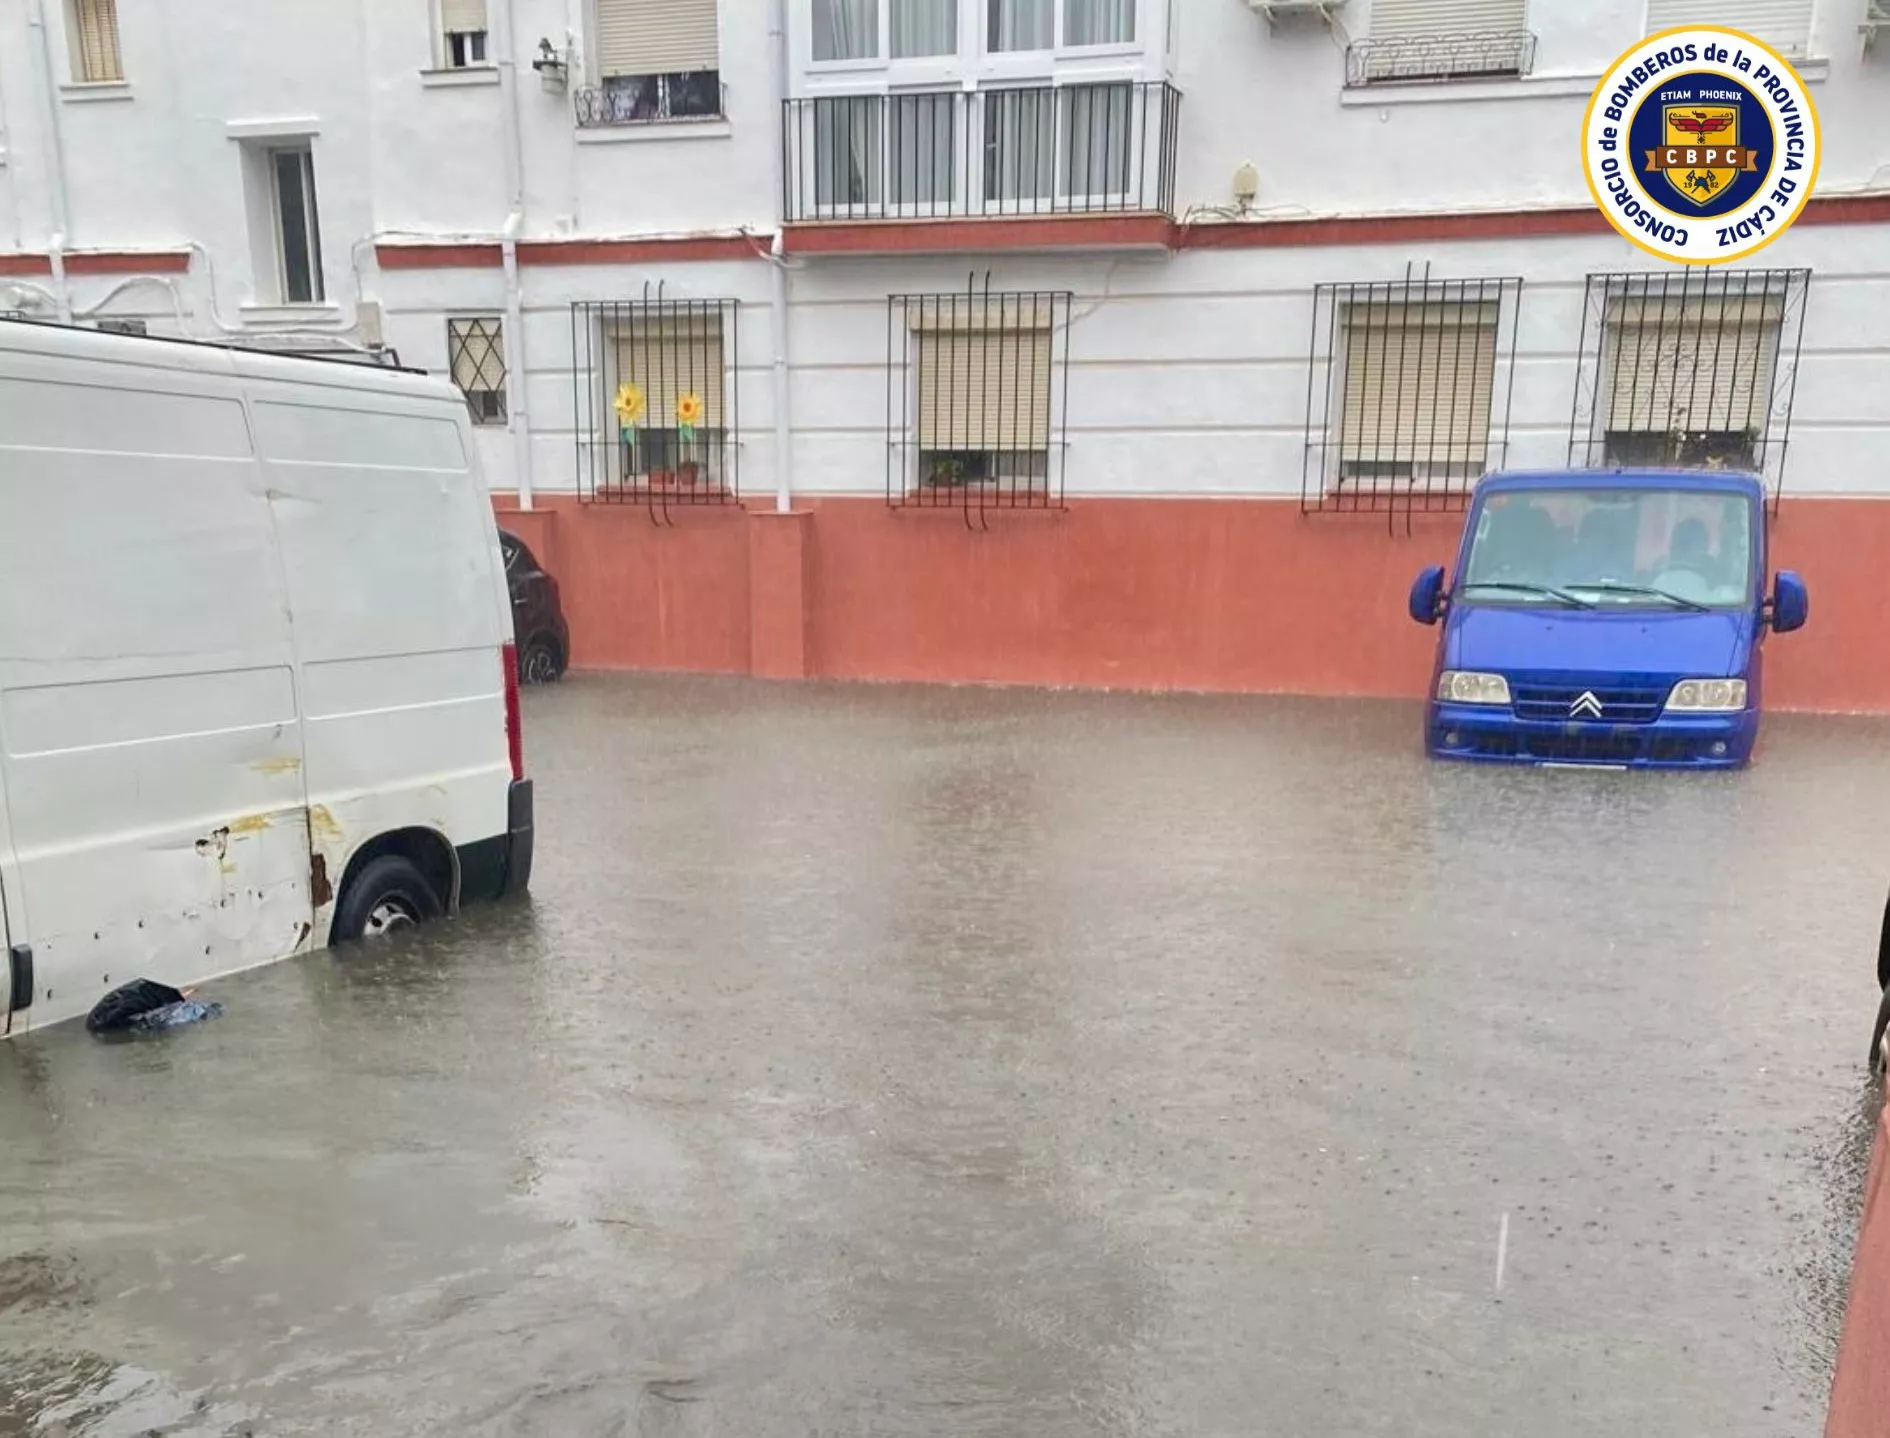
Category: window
[975,418]
[659,400]
[475,355]
[846,30]
[861,29]
[462,33]
[93,31]
[1020,25]
[1442,40]
[1686,368]
[1783,24]
[298,225]
[1064,148]
[1100,22]
[656,60]
[924,27]
[1407,402]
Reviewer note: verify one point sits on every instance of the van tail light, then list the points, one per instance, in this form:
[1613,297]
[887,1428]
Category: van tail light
[514,731]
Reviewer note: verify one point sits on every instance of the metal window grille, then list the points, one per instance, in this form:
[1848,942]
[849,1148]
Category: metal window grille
[657,414]
[650,99]
[1408,392]
[1396,59]
[977,391]
[1691,367]
[1068,149]
[475,355]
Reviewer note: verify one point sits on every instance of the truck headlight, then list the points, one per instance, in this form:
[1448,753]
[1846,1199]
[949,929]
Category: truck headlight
[1707,696]
[1455,686]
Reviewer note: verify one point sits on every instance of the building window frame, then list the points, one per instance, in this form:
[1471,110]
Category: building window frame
[974,51]
[476,361]
[1650,339]
[93,42]
[299,207]
[977,399]
[647,97]
[668,351]
[1397,350]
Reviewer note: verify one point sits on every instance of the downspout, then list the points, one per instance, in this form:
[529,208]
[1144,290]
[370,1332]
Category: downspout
[778,276]
[518,418]
[55,167]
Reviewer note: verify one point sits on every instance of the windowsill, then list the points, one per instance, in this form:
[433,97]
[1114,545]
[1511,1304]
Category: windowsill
[458,75]
[93,92]
[1524,87]
[715,127]
[261,314]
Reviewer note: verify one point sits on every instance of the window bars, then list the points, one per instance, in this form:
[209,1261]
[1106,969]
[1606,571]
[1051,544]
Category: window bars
[475,356]
[1069,149]
[1691,367]
[657,415]
[1399,59]
[977,395]
[1408,392]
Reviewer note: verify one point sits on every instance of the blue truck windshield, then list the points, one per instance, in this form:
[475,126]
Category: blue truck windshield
[1612,548]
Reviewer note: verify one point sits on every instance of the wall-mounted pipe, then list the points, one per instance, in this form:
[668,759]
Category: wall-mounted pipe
[55,164]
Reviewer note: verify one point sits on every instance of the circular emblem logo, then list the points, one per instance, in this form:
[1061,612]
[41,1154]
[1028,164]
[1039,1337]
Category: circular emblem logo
[1701,145]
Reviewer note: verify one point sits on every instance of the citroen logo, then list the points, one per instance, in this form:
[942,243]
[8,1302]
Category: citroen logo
[1585,703]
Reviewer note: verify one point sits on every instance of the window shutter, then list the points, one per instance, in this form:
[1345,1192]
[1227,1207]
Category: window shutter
[984,380]
[1418,379]
[1783,24]
[462,16]
[97,40]
[1448,17]
[1698,365]
[655,37]
[670,357]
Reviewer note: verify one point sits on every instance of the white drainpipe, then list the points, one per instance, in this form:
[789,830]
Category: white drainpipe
[778,277]
[55,166]
[518,418]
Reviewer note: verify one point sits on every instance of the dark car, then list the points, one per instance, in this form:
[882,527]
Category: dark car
[538,627]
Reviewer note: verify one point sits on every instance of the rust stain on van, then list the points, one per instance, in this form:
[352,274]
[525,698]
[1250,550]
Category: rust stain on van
[322,825]
[251,824]
[319,889]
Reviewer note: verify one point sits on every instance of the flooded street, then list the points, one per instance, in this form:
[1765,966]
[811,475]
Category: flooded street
[890,1061]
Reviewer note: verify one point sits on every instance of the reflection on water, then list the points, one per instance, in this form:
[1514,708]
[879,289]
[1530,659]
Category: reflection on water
[907,1061]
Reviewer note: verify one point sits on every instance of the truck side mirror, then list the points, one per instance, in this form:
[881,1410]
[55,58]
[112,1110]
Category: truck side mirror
[1428,598]
[1791,605]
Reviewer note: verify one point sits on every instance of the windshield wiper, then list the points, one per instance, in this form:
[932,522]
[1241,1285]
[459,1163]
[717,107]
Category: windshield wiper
[1679,601]
[1561,596]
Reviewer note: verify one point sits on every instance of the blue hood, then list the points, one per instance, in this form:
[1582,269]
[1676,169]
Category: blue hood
[1508,639]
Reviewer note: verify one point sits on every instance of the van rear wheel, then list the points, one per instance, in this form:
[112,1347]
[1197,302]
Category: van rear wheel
[386,897]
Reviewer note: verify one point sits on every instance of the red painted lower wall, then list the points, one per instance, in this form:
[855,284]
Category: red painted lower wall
[1243,595]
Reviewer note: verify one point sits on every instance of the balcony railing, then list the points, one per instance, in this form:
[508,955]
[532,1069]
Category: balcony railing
[1062,150]
[1397,59]
[649,99]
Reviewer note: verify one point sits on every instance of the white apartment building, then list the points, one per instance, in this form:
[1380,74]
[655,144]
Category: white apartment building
[851,259]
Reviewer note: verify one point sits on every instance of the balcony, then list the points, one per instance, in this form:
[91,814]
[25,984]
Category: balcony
[1046,152]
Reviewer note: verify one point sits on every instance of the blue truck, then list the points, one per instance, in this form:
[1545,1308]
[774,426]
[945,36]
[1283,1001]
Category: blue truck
[1606,617]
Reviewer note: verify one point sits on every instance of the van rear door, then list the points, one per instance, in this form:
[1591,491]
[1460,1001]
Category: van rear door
[16,969]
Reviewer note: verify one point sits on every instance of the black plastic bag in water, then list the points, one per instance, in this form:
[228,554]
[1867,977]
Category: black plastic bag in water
[145,1004]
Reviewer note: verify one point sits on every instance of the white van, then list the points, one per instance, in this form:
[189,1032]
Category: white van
[257,686]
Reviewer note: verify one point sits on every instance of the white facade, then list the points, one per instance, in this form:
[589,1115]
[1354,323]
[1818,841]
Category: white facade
[1188,366]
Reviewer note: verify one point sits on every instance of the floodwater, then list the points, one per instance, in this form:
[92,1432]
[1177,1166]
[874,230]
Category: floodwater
[885,1061]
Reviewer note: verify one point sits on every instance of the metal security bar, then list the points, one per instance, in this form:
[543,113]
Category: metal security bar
[977,391]
[1396,59]
[1690,367]
[657,415]
[1067,149]
[1409,385]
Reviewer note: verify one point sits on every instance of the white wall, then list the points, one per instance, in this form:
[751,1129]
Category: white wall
[1189,370]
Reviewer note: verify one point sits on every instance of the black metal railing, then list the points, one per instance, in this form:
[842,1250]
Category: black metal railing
[1409,385]
[656,404]
[977,394]
[649,99]
[1690,367]
[1478,55]
[1048,150]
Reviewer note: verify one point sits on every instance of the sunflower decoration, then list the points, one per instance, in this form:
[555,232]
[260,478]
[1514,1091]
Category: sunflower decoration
[688,415]
[629,407]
